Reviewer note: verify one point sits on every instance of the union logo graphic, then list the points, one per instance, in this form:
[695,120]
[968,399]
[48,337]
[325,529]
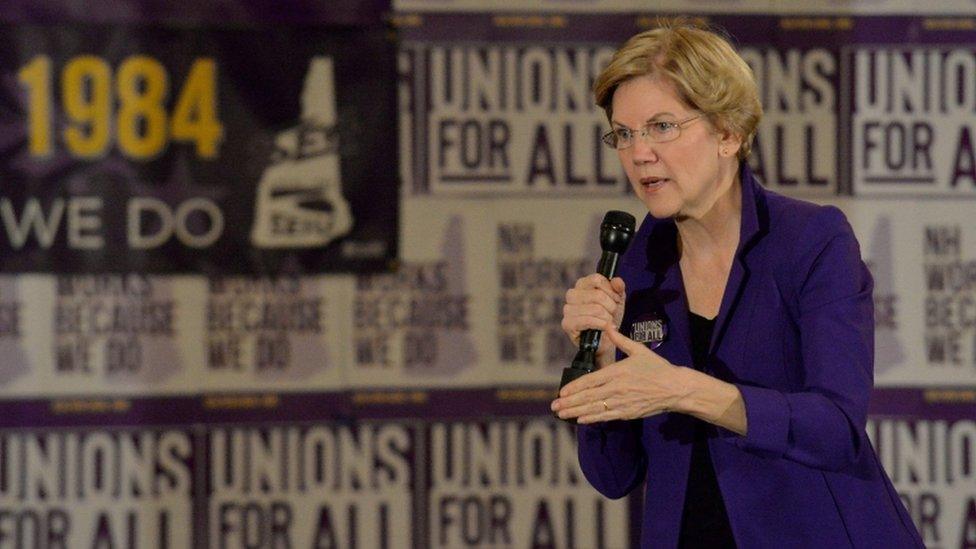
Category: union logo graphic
[649,331]
[299,198]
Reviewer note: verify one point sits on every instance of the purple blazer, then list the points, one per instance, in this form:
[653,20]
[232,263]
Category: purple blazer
[795,334]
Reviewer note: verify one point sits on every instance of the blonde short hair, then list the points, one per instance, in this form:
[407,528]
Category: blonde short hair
[707,73]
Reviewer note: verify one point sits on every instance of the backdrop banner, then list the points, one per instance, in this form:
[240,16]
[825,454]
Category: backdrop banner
[204,149]
[293,276]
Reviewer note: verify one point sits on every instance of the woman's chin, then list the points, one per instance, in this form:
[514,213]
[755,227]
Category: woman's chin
[661,210]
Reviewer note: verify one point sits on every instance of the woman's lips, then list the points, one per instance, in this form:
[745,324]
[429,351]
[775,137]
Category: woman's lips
[653,183]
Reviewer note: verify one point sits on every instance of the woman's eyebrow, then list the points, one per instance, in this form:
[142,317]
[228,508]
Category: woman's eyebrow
[649,120]
[659,115]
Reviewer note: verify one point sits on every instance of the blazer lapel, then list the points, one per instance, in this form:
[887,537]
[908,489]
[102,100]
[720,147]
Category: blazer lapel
[669,291]
[676,310]
[752,226]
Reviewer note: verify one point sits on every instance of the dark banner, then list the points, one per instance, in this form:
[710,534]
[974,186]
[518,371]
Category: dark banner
[201,150]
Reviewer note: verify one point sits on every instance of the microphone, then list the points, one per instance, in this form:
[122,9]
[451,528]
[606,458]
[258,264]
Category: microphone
[615,233]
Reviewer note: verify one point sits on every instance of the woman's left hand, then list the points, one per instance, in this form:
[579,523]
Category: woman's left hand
[641,385]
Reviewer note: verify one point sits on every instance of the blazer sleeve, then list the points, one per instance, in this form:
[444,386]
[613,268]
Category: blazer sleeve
[822,425]
[611,456]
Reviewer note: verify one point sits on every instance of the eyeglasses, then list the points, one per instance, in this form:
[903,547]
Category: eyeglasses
[660,131]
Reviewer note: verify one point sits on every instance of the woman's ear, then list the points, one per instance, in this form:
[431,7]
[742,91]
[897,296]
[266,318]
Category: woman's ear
[729,144]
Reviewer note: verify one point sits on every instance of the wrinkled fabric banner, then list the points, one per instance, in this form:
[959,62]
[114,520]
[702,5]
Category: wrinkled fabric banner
[202,149]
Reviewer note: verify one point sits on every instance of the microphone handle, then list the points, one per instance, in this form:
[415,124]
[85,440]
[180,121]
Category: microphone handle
[590,339]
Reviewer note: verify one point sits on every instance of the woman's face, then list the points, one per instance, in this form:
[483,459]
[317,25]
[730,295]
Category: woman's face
[679,178]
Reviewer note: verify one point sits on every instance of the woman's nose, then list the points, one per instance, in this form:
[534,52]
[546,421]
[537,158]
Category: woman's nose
[644,150]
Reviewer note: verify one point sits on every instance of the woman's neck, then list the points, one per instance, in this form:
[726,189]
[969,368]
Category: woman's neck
[716,231]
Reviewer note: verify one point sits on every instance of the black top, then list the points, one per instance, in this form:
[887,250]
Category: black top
[704,522]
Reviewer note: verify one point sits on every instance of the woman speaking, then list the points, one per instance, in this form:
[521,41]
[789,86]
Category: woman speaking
[736,389]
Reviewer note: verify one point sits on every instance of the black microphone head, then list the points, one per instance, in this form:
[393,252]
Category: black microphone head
[616,230]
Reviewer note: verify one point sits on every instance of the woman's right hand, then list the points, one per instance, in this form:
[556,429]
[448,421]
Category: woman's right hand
[598,304]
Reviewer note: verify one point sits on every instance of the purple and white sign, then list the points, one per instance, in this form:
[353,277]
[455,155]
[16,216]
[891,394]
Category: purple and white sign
[197,149]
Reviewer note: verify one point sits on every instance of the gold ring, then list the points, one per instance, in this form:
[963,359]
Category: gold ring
[606,406]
